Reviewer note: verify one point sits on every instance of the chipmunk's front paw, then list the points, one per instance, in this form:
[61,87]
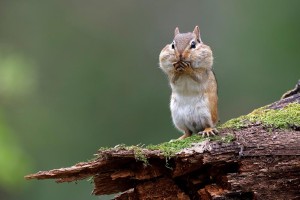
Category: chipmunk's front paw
[181,66]
[208,132]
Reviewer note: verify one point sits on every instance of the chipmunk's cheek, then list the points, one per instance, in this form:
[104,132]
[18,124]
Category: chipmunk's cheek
[166,62]
[196,63]
[193,57]
[165,58]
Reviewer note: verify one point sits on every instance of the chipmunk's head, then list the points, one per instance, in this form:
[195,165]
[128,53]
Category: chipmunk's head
[187,48]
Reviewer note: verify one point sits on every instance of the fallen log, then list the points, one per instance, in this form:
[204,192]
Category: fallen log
[256,156]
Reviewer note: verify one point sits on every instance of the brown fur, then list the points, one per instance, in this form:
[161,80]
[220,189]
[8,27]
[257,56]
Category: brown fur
[213,97]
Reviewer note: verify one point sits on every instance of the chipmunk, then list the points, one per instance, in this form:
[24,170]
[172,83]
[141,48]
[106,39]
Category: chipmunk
[187,61]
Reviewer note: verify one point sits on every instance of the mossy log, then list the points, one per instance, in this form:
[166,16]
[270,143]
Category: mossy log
[253,158]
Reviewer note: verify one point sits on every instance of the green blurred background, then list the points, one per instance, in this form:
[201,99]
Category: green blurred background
[78,75]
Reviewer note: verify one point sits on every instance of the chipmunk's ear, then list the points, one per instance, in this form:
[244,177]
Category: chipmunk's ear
[176,32]
[197,33]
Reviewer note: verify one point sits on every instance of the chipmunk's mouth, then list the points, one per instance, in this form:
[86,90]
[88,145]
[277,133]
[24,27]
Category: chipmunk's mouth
[181,65]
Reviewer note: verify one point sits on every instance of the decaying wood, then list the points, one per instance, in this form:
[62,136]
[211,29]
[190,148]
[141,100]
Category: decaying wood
[256,165]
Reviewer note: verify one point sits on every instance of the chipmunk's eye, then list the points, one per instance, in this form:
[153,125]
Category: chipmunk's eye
[193,45]
[173,46]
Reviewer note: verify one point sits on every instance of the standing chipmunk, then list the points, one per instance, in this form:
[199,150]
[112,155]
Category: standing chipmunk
[187,61]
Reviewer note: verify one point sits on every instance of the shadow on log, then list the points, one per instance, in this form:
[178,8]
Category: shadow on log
[261,162]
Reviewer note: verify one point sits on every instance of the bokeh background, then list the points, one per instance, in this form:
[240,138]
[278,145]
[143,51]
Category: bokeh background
[78,75]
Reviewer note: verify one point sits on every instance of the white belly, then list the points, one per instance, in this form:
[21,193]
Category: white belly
[189,107]
[190,113]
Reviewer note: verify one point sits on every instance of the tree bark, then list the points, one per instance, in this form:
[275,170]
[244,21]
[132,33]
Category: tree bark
[259,164]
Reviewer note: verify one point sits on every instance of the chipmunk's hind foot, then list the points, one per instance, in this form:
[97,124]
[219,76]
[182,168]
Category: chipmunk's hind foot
[186,134]
[208,132]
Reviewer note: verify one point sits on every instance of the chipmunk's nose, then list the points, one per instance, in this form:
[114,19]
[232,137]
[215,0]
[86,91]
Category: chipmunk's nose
[180,56]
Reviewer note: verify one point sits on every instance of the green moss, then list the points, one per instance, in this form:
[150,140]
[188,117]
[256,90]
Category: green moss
[282,119]
[168,149]
[139,154]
